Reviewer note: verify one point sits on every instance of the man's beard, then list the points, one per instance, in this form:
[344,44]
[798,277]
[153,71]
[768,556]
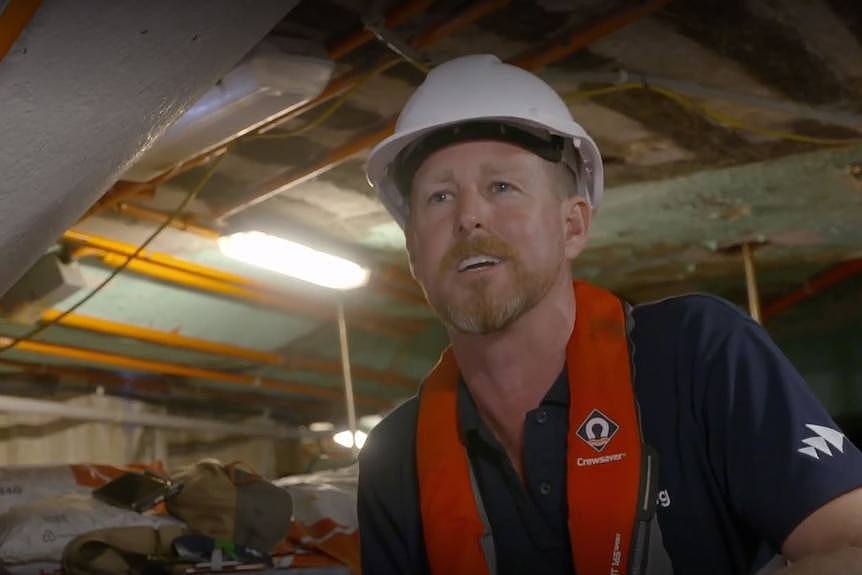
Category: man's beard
[483,309]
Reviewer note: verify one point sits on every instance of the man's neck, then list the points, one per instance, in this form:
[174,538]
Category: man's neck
[509,372]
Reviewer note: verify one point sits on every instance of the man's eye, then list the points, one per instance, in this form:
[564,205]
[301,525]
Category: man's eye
[501,187]
[438,197]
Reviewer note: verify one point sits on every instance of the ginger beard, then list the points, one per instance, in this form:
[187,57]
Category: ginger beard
[484,304]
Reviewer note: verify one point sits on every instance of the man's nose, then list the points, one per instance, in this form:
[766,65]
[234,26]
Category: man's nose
[471,212]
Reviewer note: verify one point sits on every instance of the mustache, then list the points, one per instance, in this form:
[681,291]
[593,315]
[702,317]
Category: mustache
[488,245]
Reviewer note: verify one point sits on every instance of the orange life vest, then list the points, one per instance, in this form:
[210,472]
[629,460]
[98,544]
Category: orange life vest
[610,472]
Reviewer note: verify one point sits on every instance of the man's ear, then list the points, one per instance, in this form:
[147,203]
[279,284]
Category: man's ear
[577,215]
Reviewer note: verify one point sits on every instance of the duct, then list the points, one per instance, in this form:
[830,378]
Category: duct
[19,405]
[278,75]
[87,86]
[341,84]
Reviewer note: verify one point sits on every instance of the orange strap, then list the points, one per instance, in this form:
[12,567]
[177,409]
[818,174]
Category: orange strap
[604,452]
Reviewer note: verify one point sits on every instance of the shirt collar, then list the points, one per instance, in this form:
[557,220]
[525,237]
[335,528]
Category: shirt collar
[469,419]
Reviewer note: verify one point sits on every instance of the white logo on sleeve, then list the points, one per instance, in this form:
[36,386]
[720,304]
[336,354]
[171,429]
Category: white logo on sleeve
[819,443]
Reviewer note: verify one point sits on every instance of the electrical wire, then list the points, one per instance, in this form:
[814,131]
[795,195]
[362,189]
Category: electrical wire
[191,195]
[724,120]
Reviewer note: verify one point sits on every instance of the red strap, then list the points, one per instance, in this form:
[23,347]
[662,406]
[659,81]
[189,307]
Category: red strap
[451,522]
[603,478]
[602,493]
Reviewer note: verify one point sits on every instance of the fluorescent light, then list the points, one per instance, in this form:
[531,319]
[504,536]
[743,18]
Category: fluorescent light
[293,259]
[321,426]
[344,439]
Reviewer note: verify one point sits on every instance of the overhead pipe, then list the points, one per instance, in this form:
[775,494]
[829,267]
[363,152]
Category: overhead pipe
[177,341]
[203,278]
[17,405]
[184,223]
[557,51]
[812,287]
[166,368]
[14,17]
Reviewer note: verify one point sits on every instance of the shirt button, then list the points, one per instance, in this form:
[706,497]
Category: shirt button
[545,488]
[542,416]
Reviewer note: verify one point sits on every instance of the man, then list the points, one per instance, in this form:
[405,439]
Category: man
[564,431]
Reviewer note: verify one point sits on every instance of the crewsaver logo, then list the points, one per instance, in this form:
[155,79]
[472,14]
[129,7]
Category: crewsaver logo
[819,444]
[597,430]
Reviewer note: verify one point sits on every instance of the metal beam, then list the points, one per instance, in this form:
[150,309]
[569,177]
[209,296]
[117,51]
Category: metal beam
[12,404]
[167,368]
[157,386]
[531,61]
[812,287]
[177,341]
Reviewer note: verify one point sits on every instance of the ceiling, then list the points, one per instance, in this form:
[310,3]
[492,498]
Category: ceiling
[720,122]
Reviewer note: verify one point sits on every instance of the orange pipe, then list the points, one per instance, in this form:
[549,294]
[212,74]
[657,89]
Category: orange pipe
[122,248]
[815,285]
[174,270]
[177,341]
[392,328]
[13,20]
[390,280]
[182,223]
[162,367]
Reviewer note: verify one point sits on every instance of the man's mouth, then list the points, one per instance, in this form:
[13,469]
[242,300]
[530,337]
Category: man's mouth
[478,262]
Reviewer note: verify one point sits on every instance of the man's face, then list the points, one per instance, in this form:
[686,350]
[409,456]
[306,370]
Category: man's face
[490,232]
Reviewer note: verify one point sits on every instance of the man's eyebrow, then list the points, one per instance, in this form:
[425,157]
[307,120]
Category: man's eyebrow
[439,178]
[488,169]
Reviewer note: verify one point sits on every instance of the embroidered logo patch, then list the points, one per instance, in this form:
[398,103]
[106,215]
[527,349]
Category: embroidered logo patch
[819,443]
[597,430]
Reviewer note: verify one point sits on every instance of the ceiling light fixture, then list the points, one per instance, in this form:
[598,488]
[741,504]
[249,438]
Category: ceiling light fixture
[293,259]
[345,439]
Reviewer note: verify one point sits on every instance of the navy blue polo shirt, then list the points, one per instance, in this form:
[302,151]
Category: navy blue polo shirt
[745,453]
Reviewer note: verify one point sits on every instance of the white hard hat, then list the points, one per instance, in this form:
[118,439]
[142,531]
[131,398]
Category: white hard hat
[482,90]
